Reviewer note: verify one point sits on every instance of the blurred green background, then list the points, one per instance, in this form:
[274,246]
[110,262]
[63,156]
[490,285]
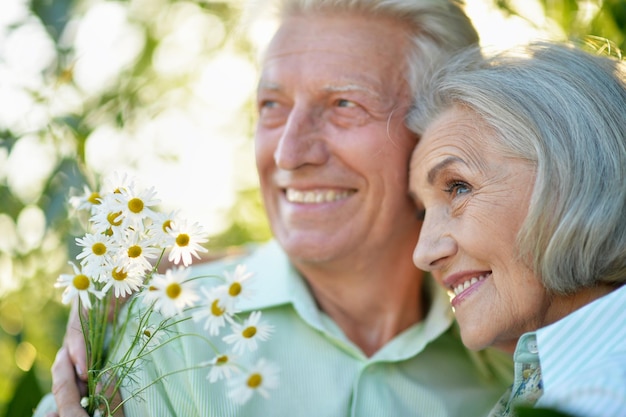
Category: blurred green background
[163,90]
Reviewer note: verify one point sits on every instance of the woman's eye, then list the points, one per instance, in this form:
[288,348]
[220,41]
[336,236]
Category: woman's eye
[456,188]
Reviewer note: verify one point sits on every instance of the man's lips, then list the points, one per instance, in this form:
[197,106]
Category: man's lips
[315,196]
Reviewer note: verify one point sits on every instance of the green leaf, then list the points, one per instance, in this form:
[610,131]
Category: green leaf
[26,396]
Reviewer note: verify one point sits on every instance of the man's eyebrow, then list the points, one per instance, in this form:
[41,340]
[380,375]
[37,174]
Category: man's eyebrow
[265,85]
[349,87]
[353,87]
[434,171]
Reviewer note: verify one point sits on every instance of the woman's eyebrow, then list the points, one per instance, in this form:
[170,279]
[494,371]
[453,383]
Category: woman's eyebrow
[433,173]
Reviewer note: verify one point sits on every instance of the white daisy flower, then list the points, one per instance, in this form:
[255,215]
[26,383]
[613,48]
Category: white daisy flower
[77,285]
[170,293]
[116,182]
[161,225]
[97,253]
[136,205]
[124,280]
[107,218]
[136,250]
[88,201]
[244,337]
[185,241]
[261,378]
[237,285]
[222,367]
[215,311]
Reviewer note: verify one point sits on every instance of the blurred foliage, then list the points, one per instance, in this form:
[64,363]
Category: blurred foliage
[539,412]
[32,322]
[592,21]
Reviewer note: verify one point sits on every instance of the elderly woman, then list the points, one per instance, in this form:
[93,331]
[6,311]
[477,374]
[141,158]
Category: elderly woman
[520,175]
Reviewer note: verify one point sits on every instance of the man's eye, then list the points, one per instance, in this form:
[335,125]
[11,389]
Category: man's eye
[268,104]
[342,102]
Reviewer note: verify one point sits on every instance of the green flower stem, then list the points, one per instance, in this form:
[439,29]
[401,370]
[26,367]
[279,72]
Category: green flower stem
[139,391]
[105,378]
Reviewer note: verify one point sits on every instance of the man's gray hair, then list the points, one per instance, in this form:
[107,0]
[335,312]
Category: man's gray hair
[564,111]
[438,28]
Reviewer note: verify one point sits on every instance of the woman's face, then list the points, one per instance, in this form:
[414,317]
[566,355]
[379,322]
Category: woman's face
[474,200]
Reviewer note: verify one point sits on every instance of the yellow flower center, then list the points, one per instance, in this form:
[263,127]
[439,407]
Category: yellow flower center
[147,333]
[234,289]
[81,282]
[99,248]
[152,288]
[167,224]
[134,251]
[173,290]
[221,360]
[112,218]
[249,332]
[182,239]
[119,274]
[215,309]
[135,205]
[94,198]
[255,380]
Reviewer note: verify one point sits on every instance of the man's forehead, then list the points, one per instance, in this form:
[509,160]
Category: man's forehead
[331,73]
[353,34]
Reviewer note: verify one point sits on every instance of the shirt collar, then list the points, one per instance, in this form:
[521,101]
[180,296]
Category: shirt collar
[279,283]
[583,337]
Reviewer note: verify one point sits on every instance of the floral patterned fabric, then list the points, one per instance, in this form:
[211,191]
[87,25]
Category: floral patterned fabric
[527,386]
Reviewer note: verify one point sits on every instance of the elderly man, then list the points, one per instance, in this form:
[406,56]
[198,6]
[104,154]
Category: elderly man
[358,330]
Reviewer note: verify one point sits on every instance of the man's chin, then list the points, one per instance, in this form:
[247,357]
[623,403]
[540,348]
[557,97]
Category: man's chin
[310,250]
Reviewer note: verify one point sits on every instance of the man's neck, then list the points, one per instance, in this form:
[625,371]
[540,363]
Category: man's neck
[372,304]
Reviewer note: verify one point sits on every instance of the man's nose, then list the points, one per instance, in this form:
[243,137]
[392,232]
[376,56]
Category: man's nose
[302,141]
[435,245]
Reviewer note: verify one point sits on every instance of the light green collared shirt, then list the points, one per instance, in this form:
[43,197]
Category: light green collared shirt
[425,371]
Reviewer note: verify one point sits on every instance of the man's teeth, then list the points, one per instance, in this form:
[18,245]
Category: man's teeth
[315,196]
[465,285]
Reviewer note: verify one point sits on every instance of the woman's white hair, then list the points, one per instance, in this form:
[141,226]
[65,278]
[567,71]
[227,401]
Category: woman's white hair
[564,111]
[438,28]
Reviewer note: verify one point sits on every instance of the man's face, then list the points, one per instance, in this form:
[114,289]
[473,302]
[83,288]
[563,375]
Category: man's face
[331,147]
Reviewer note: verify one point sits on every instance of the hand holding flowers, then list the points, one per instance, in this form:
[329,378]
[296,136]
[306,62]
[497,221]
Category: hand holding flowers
[126,241]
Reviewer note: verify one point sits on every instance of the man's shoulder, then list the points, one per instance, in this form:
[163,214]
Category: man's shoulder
[257,254]
[223,258]
[267,264]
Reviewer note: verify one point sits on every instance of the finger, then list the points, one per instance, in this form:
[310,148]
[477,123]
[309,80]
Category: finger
[75,343]
[64,388]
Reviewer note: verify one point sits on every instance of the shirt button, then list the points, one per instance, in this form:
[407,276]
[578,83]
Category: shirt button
[532,346]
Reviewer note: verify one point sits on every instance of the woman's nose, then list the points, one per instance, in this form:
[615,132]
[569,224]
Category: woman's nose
[435,244]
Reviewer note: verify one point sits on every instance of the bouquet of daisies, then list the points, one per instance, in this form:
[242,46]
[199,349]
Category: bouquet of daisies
[118,268]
